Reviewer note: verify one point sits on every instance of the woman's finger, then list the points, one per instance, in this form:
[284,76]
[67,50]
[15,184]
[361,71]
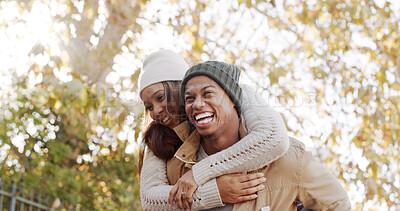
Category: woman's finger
[188,197]
[185,200]
[172,195]
[251,191]
[248,177]
[179,199]
[252,183]
[245,198]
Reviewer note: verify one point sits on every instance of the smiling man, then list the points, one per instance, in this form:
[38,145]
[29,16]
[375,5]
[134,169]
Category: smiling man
[212,99]
[212,113]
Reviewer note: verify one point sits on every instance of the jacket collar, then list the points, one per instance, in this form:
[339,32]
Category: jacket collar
[183,130]
[191,141]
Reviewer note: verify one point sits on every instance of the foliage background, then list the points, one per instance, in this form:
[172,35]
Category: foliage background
[70,116]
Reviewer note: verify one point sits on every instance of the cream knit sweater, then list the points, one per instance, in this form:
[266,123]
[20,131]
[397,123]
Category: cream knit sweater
[267,141]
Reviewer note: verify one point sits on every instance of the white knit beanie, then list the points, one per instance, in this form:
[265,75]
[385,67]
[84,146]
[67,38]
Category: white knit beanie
[163,65]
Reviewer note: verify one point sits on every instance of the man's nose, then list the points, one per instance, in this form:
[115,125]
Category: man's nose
[198,103]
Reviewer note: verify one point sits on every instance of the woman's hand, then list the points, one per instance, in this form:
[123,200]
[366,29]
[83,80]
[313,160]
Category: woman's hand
[235,188]
[184,190]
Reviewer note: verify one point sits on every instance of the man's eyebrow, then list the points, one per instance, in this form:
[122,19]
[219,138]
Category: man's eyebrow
[206,87]
[154,94]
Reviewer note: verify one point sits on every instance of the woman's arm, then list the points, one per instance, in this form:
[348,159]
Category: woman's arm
[266,142]
[233,188]
[154,188]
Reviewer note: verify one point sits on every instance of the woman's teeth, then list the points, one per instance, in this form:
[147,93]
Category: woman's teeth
[165,119]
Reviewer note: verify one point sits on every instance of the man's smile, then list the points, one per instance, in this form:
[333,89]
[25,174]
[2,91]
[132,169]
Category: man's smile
[203,118]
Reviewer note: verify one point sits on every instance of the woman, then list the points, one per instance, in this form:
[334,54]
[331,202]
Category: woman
[267,140]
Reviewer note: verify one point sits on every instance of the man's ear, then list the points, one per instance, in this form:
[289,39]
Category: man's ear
[234,106]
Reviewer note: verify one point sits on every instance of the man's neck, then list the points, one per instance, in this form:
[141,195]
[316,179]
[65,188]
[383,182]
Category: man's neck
[214,143]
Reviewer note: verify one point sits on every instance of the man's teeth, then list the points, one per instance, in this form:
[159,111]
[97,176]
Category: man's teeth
[204,118]
[165,119]
[204,121]
[203,115]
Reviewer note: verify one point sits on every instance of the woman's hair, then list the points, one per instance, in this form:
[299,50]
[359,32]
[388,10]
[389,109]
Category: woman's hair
[175,106]
[161,139]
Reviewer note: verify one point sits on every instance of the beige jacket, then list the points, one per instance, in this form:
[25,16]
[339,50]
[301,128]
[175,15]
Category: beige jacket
[296,176]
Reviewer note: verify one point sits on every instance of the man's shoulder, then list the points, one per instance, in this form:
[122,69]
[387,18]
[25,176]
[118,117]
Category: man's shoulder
[293,157]
[285,171]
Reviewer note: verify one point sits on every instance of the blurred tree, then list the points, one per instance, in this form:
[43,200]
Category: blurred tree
[69,120]
[332,67]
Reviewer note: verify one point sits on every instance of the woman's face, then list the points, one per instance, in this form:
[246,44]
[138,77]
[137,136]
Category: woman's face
[155,100]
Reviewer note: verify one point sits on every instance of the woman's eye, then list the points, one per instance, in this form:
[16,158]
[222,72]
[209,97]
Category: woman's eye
[149,108]
[160,98]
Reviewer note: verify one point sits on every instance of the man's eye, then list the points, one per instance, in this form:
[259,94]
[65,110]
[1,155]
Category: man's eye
[207,93]
[188,99]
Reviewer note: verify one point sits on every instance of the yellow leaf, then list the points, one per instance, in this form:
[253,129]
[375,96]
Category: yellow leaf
[248,3]
[83,97]
[57,104]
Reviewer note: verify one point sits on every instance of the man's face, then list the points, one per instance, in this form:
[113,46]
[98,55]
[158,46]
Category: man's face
[208,107]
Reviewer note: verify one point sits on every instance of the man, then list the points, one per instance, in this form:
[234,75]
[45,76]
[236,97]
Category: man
[212,99]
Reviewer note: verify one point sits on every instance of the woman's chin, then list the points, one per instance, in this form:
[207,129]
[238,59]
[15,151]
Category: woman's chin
[171,123]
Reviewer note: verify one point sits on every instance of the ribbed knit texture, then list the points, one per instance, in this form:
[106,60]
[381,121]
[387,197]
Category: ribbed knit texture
[226,75]
[267,141]
[154,188]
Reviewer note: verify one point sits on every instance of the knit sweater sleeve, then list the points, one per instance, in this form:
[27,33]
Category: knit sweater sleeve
[266,142]
[154,188]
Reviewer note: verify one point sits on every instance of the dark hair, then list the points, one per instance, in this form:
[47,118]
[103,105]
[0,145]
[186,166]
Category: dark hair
[175,105]
[162,140]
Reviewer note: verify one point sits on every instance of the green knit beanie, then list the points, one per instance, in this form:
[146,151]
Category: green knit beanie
[226,75]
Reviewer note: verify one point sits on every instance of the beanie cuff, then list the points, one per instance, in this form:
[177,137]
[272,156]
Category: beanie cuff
[148,80]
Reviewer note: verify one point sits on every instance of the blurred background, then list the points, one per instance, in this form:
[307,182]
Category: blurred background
[70,114]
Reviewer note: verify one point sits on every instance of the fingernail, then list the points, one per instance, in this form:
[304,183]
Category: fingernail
[262,186]
[260,174]
[255,196]
[263,179]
